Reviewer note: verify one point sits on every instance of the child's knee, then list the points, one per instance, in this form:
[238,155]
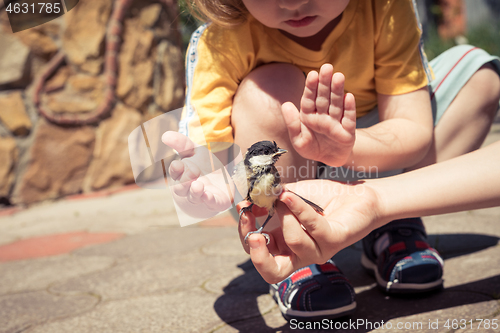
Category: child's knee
[262,92]
[487,80]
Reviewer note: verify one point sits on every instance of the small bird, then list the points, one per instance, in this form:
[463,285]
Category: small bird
[259,175]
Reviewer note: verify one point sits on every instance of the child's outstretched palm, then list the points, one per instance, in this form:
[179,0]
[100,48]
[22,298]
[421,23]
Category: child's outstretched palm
[324,129]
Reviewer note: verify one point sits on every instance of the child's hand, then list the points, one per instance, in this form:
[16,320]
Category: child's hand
[324,129]
[197,189]
[306,237]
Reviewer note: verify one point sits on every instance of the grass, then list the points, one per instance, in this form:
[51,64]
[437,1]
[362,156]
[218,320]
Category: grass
[486,36]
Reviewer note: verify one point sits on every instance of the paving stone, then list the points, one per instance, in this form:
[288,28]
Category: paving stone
[493,324]
[149,276]
[479,271]
[482,221]
[450,303]
[428,321]
[229,246]
[29,275]
[128,212]
[51,245]
[172,241]
[21,311]
[237,282]
[158,313]
[270,322]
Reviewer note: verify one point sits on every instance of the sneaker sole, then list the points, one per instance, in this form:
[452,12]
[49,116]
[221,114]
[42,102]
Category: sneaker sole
[310,315]
[396,287]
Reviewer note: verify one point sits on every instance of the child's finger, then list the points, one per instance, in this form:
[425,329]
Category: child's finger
[292,120]
[176,169]
[183,184]
[324,89]
[181,143]
[196,192]
[308,100]
[349,119]
[336,107]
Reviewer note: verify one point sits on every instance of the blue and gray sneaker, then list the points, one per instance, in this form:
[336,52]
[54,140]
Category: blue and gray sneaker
[314,292]
[401,259]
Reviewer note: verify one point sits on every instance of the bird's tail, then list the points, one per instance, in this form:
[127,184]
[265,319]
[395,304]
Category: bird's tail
[317,208]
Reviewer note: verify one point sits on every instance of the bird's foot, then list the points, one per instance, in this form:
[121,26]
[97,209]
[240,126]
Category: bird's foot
[245,209]
[268,239]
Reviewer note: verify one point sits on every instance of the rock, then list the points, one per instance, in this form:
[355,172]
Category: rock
[13,113]
[150,15]
[83,93]
[39,39]
[58,81]
[84,35]
[59,159]
[8,156]
[136,66]
[14,57]
[66,102]
[171,95]
[84,82]
[110,165]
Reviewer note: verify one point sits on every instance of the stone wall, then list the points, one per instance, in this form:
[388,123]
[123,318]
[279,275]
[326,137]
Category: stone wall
[41,158]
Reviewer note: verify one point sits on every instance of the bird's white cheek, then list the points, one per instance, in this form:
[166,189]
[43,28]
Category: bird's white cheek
[261,160]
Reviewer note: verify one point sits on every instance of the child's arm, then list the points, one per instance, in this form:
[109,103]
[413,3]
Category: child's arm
[401,139]
[471,181]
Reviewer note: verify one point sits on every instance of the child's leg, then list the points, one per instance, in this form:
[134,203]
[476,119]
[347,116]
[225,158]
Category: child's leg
[256,114]
[467,120]
[465,97]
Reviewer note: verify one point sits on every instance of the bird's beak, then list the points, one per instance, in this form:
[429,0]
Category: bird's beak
[280,152]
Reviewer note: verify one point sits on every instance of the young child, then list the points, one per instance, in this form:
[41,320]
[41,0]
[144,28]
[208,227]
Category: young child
[264,70]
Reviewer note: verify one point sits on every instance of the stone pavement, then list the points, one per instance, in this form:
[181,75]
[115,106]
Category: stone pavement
[122,263]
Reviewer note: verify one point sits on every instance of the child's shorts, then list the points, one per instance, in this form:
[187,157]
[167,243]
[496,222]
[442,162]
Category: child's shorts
[452,69]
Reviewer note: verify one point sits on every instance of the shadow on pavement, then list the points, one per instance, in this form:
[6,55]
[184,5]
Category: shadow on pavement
[241,294]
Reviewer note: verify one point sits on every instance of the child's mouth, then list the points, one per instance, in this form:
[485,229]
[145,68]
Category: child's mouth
[302,22]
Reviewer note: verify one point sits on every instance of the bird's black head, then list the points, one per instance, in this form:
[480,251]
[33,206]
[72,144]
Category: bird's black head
[264,148]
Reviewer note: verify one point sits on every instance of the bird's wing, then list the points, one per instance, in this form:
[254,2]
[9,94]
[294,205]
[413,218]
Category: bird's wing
[240,179]
[317,208]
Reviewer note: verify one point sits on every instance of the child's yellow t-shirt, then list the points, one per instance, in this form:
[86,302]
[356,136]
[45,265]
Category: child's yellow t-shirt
[376,45]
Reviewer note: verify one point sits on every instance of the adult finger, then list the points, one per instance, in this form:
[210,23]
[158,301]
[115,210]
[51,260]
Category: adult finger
[246,224]
[315,224]
[295,236]
[272,269]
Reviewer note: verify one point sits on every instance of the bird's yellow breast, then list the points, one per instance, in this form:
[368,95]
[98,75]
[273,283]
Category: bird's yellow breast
[264,193]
